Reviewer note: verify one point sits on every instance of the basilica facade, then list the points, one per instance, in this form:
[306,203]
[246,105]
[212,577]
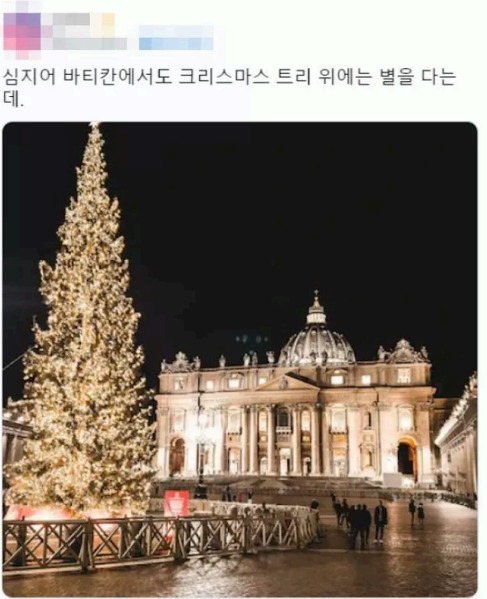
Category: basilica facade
[312,410]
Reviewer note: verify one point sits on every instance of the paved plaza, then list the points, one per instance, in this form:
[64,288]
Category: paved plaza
[439,560]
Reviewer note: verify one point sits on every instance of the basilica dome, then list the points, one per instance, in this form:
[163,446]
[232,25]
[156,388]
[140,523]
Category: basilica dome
[316,344]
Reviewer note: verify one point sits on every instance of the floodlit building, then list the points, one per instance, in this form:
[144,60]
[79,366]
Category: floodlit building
[457,441]
[313,410]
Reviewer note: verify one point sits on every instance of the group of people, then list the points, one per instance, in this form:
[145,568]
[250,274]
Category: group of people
[227,495]
[358,520]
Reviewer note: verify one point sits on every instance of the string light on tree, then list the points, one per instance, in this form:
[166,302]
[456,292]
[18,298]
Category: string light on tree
[84,394]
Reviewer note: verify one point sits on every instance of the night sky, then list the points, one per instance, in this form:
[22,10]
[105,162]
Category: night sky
[230,227]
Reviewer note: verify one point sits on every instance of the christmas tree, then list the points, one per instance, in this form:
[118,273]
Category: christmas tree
[84,394]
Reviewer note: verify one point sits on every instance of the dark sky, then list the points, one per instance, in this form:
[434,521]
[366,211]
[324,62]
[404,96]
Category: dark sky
[230,227]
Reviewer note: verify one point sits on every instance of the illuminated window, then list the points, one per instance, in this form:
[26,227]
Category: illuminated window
[405,419]
[305,421]
[403,375]
[262,380]
[210,385]
[234,383]
[262,421]
[233,422]
[179,384]
[366,379]
[283,417]
[337,379]
[338,419]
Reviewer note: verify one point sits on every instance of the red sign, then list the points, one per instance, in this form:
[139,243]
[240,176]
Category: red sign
[176,503]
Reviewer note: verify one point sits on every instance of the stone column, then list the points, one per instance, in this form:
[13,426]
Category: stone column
[244,443]
[473,467]
[5,436]
[167,435]
[214,463]
[218,441]
[191,457]
[254,457]
[271,441]
[297,441]
[163,449]
[466,461]
[223,441]
[8,450]
[387,438]
[423,429]
[16,448]
[454,469]
[420,461]
[325,439]
[315,441]
[353,449]
[474,449]
[470,462]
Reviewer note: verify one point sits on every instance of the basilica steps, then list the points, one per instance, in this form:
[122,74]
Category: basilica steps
[277,486]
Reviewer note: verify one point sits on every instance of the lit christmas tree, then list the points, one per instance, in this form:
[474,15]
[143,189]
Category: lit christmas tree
[84,394]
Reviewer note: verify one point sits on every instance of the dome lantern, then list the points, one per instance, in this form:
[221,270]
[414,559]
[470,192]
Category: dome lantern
[316,314]
[316,345]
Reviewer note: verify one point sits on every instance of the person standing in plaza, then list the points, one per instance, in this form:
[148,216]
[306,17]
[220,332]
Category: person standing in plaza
[380,520]
[412,510]
[354,523]
[338,512]
[350,518]
[344,511]
[367,521]
[421,514]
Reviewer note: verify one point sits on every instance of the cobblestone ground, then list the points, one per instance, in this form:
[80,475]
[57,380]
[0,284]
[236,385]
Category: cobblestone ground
[439,560]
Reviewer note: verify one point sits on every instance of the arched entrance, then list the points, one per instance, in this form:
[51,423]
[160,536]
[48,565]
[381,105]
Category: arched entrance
[407,461]
[176,456]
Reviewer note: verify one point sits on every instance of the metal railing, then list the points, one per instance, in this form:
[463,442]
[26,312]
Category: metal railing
[85,544]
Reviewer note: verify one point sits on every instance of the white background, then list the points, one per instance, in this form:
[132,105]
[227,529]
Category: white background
[268,34]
